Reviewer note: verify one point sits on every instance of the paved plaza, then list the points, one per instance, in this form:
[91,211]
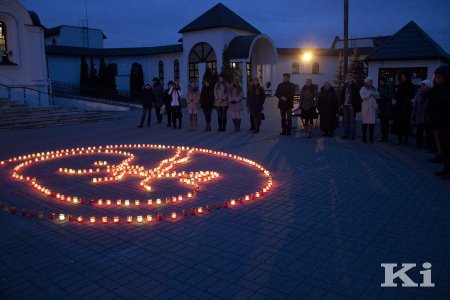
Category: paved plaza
[337,210]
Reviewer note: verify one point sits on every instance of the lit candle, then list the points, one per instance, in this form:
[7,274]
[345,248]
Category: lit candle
[99,201]
[158,201]
[180,197]
[104,220]
[75,200]
[119,202]
[189,195]
[233,202]
[149,218]
[139,219]
[247,197]
[149,202]
[257,195]
[108,202]
[116,219]
[200,210]
[137,202]
[62,217]
[92,219]
[129,219]
[80,219]
[127,202]
[174,215]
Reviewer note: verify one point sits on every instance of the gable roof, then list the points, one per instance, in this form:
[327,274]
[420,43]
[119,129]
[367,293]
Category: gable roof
[141,51]
[56,30]
[409,43]
[219,16]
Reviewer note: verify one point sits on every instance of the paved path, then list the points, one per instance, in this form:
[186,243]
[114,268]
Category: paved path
[338,210]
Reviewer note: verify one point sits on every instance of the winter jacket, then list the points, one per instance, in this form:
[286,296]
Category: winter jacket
[255,99]
[384,101]
[369,104]
[419,113]
[221,94]
[354,96]
[235,99]
[176,96]
[287,90]
[148,97]
[159,95]
[193,97]
[207,97]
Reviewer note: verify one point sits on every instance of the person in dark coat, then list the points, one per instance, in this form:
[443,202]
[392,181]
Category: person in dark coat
[308,106]
[404,94]
[385,108]
[159,98]
[285,94]
[351,104]
[420,117]
[207,102]
[148,100]
[255,101]
[441,115]
[167,103]
[328,107]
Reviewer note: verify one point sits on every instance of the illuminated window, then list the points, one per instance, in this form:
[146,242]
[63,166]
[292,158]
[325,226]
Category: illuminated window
[295,68]
[3,42]
[161,71]
[176,70]
[315,68]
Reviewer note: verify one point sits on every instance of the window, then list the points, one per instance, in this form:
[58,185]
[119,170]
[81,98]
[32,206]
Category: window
[315,67]
[201,53]
[295,68]
[3,43]
[161,71]
[176,70]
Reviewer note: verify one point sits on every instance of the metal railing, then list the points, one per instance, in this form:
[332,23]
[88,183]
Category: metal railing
[89,92]
[26,93]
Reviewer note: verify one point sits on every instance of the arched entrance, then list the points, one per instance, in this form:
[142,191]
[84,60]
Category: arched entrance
[201,53]
[257,55]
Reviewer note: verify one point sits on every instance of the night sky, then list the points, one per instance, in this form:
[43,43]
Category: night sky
[290,23]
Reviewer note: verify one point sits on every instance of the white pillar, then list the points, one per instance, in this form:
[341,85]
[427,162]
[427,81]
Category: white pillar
[273,77]
[244,78]
[201,72]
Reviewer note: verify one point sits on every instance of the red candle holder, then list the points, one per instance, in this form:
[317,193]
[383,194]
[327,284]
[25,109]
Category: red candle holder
[91,202]
[184,213]
[31,213]
[193,211]
[160,217]
[71,218]
[53,216]
[207,208]
[240,200]
[218,206]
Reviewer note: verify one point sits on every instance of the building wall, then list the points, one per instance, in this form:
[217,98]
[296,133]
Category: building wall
[30,69]
[327,69]
[76,37]
[432,65]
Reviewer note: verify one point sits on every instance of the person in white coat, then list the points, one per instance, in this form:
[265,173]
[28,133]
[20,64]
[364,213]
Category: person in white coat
[368,108]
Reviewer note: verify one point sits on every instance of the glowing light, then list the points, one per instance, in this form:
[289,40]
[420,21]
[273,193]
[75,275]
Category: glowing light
[307,56]
[92,220]
[104,220]
[116,219]
[62,217]
[174,215]
[139,219]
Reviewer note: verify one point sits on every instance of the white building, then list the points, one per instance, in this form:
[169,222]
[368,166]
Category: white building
[23,68]
[204,42]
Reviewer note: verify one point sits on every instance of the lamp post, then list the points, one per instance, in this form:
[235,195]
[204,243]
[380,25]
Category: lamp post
[345,38]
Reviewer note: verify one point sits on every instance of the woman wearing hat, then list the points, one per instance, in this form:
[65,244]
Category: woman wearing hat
[368,108]
[420,116]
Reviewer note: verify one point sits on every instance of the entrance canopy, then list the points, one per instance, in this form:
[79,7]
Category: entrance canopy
[257,49]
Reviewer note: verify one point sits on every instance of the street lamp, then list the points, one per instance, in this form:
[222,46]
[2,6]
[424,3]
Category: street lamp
[307,56]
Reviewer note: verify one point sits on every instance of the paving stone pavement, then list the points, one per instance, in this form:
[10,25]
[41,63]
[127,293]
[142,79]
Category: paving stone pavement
[338,210]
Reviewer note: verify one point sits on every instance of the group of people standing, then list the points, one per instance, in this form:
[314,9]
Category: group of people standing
[312,103]
[225,97]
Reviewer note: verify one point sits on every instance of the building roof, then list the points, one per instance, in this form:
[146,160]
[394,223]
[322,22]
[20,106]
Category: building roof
[376,40]
[35,18]
[239,47]
[57,29]
[409,43]
[141,51]
[322,51]
[219,16]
